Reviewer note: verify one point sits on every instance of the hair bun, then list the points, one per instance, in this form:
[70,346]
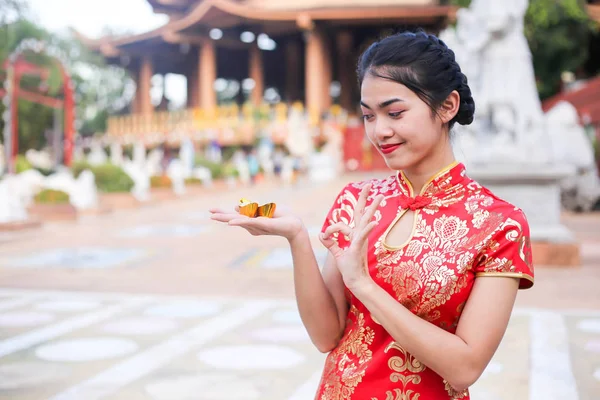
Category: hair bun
[466,111]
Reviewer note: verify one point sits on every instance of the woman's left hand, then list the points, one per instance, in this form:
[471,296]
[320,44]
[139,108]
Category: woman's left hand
[352,261]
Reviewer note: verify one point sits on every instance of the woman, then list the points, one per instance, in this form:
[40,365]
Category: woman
[424,266]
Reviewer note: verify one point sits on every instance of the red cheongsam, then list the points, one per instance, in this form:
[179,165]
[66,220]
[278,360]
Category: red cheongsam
[461,231]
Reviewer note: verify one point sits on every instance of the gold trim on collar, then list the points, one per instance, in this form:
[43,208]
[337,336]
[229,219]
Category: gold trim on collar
[442,172]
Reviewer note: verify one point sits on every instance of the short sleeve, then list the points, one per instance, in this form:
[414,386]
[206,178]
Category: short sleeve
[342,210]
[508,252]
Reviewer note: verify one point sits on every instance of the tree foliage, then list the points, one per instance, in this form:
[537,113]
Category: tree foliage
[99,89]
[558,32]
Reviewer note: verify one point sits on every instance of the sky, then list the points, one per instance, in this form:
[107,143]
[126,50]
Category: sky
[90,17]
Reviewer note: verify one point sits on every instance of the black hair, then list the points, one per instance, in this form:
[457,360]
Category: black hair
[424,64]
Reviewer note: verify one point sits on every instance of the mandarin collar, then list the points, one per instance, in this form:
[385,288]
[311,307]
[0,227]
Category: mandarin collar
[440,183]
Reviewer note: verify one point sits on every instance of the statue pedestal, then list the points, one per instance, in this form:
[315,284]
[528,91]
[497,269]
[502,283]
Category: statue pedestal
[536,190]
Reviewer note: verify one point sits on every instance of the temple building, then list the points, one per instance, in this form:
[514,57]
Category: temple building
[299,52]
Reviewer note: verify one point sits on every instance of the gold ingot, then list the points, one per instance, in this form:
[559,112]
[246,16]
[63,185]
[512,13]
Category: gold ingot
[267,210]
[253,210]
[249,210]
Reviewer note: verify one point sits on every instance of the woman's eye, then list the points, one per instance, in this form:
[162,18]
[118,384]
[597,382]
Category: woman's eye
[395,114]
[367,117]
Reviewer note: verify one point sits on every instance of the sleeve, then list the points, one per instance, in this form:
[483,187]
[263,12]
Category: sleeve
[508,252]
[342,211]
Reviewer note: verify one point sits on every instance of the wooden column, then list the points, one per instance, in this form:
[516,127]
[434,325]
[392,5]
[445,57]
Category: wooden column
[143,90]
[207,74]
[135,102]
[327,72]
[316,75]
[257,75]
[193,92]
[292,71]
[346,73]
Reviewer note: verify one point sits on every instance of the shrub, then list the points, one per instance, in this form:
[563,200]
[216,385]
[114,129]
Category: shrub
[51,196]
[161,181]
[193,181]
[22,164]
[216,170]
[112,179]
[79,166]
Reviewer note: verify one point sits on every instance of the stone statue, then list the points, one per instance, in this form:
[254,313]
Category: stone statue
[509,119]
[187,156]
[508,146]
[176,172]
[97,155]
[116,154]
[571,145]
[12,208]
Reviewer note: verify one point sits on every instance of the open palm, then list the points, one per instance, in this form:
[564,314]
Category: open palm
[282,224]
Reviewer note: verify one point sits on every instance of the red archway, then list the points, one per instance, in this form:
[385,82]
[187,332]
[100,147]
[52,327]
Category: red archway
[16,67]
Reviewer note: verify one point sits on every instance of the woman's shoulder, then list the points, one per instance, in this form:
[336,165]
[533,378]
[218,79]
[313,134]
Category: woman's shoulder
[482,198]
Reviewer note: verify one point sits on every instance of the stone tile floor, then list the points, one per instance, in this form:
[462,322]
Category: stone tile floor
[160,303]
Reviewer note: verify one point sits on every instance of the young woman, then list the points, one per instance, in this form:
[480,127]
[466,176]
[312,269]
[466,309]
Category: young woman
[424,266]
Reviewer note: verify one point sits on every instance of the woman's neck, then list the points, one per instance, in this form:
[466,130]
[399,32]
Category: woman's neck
[421,174]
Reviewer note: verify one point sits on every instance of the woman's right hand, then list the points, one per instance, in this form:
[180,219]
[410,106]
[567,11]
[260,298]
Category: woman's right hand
[282,224]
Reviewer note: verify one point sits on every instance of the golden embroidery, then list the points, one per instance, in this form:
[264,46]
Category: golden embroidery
[454,394]
[346,365]
[407,371]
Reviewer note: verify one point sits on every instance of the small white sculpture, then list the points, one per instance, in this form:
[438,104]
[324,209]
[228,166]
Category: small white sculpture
[12,209]
[97,155]
[39,159]
[116,154]
[141,180]
[187,156]
[84,193]
[572,146]
[176,172]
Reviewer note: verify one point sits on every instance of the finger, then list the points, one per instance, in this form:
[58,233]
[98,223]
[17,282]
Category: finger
[331,245]
[339,227]
[227,217]
[360,204]
[361,237]
[370,212]
[222,211]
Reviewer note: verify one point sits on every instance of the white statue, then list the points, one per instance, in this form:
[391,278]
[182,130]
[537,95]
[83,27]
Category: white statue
[39,159]
[187,156]
[139,154]
[97,155]
[84,194]
[12,208]
[493,52]
[571,145]
[116,154]
[176,172]
[141,180]
[30,183]
[153,163]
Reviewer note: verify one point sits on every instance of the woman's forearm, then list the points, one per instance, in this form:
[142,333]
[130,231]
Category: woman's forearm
[315,301]
[443,352]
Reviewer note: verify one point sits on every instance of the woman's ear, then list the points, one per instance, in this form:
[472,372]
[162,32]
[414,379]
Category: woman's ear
[449,107]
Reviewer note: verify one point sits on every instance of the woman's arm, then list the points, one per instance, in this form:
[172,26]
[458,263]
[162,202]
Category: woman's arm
[459,358]
[320,297]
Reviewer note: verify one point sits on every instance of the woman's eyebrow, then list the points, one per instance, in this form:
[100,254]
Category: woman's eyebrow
[383,104]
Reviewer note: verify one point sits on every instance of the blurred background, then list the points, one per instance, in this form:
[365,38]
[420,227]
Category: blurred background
[123,122]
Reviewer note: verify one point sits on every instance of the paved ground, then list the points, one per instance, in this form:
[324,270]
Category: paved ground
[160,303]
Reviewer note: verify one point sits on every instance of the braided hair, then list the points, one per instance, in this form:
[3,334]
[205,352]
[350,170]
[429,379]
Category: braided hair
[424,64]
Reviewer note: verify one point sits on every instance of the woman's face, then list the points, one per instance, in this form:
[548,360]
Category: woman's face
[399,124]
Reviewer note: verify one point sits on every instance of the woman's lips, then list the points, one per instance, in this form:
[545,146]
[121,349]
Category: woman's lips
[389,148]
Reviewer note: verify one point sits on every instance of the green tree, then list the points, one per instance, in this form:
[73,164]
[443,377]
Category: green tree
[558,32]
[99,89]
